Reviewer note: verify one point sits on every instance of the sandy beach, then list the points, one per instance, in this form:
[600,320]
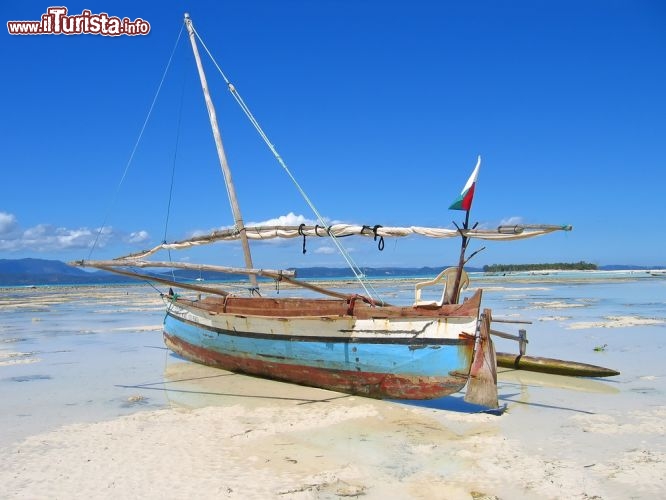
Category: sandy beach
[97,408]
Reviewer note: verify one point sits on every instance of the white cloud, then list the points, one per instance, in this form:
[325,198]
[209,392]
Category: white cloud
[291,219]
[138,237]
[72,238]
[325,250]
[48,238]
[7,223]
[511,221]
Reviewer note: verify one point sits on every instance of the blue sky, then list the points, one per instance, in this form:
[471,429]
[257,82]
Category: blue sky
[379,108]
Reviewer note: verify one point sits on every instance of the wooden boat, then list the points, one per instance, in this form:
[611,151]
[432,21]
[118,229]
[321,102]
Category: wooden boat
[352,343]
[345,345]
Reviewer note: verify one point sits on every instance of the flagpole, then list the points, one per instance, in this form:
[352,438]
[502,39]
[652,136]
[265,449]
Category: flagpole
[461,260]
[464,203]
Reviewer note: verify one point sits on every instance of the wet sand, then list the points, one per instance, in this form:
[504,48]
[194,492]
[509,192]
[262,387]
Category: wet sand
[93,406]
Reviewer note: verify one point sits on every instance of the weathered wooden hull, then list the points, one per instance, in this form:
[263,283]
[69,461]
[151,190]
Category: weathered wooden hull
[379,352]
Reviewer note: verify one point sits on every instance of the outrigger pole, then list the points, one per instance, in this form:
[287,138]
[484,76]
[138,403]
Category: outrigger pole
[235,209]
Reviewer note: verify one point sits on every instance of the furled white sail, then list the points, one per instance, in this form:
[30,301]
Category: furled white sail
[515,232]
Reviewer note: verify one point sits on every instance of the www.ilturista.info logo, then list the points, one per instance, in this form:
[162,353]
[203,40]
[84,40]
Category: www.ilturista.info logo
[56,22]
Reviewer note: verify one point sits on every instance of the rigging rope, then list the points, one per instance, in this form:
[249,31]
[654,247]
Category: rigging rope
[174,161]
[136,145]
[350,262]
[173,168]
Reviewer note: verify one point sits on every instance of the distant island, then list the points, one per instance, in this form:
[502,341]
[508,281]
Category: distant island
[559,266]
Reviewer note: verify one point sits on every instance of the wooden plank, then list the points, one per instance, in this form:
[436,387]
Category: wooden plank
[482,383]
[269,273]
[516,321]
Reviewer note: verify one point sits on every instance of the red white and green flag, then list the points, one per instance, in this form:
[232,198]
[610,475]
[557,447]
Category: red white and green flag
[464,201]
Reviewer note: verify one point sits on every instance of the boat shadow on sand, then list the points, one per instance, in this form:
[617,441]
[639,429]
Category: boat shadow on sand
[524,385]
[191,385]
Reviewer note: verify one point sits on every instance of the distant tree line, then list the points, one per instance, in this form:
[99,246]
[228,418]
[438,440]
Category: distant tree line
[558,266]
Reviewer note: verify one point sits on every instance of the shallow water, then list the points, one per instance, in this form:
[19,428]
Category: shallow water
[66,352]
[82,354]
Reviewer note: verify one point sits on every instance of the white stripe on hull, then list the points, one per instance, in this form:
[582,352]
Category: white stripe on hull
[343,327]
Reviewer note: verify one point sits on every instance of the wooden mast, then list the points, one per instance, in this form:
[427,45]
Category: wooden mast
[238,219]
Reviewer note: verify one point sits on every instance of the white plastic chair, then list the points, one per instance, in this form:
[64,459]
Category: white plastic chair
[449,276]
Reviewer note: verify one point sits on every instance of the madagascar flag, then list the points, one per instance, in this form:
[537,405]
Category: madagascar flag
[464,201]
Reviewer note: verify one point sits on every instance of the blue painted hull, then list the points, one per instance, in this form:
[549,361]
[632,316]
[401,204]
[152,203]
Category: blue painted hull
[388,366]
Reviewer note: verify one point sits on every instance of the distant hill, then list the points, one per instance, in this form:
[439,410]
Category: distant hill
[27,272]
[17,272]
